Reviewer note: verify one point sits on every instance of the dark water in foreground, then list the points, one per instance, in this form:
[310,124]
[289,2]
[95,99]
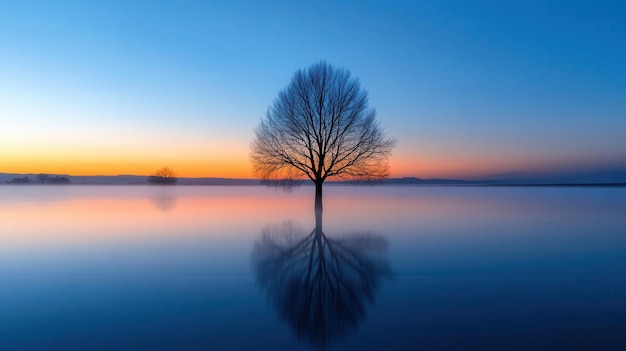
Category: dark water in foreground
[392,268]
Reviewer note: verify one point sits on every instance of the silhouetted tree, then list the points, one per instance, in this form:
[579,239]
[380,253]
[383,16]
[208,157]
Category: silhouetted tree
[320,126]
[163,176]
[42,178]
[318,284]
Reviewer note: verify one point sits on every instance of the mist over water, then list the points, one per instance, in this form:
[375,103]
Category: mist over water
[184,267]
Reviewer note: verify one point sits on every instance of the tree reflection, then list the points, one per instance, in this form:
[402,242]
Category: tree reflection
[319,284]
[163,200]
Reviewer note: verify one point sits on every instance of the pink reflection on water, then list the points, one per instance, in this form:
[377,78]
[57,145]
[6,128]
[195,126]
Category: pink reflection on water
[42,216]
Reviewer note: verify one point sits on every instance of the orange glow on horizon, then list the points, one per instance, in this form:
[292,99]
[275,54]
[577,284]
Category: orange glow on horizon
[237,165]
[426,168]
[217,169]
[85,167]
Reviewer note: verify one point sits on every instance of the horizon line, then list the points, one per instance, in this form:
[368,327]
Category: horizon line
[519,179]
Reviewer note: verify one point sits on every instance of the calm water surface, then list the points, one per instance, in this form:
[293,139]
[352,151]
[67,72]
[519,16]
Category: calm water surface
[386,268]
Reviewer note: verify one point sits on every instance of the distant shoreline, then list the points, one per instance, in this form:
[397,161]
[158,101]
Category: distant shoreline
[10,179]
[592,185]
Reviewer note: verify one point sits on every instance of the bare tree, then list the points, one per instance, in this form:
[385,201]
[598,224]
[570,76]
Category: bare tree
[320,127]
[163,176]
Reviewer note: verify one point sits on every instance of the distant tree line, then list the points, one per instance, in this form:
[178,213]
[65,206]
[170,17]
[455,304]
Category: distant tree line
[163,176]
[58,180]
[20,180]
[41,178]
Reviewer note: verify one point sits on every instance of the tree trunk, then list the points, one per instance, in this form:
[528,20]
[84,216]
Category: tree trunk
[318,196]
[318,221]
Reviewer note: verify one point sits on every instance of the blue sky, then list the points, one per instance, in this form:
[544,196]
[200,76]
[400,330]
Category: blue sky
[469,89]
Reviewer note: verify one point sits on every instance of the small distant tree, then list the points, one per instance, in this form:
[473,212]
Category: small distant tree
[163,176]
[42,178]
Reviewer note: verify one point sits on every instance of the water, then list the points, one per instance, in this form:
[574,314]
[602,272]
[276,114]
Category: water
[392,268]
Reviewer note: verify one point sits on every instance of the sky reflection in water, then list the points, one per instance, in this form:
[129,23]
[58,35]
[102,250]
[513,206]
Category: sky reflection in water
[182,267]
